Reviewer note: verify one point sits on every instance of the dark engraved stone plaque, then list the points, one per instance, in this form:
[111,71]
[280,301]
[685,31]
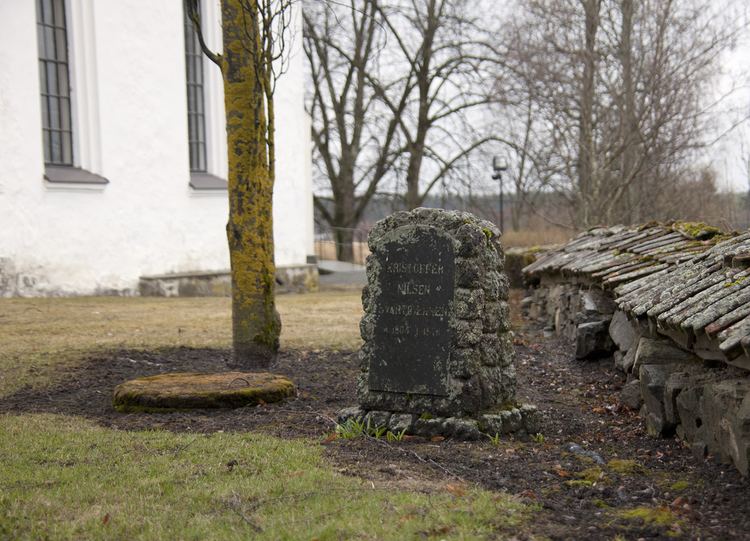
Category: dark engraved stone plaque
[413,307]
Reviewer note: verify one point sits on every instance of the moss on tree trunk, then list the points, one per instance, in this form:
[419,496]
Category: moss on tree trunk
[255,322]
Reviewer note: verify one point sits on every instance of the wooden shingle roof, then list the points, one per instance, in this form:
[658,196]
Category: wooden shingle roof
[689,282]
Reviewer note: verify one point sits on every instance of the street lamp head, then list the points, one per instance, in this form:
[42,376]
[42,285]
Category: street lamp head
[499,164]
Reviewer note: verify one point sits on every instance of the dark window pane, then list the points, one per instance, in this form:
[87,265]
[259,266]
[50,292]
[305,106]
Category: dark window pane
[47,16]
[54,82]
[45,113]
[65,114]
[59,13]
[52,79]
[49,43]
[60,45]
[40,42]
[195,98]
[62,80]
[54,113]
[67,147]
[43,78]
[47,157]
[56,149]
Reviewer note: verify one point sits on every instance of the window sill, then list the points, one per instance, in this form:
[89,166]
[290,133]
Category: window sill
[59,174]
[207,182]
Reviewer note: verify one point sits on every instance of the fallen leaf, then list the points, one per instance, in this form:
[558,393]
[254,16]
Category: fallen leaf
[105,519]
[456,490]
[437,438]
[332,436]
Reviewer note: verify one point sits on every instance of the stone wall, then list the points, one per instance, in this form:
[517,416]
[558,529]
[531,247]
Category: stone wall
[678,378]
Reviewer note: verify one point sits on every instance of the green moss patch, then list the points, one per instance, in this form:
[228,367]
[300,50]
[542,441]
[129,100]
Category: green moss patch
[655,516]
[680,485]
[189,390]
[697,230]
[625,467]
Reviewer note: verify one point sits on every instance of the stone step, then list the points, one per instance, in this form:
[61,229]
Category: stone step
[289,279]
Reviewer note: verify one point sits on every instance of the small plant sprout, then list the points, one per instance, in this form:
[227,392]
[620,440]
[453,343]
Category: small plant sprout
[538,437]
[398,436]
[350,429]
[494,440]
[376,432]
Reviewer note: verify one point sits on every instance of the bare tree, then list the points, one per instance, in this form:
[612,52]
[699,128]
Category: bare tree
[395,84]
[623,89]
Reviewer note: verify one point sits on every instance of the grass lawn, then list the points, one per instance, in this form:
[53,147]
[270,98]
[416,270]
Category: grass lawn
[64,477]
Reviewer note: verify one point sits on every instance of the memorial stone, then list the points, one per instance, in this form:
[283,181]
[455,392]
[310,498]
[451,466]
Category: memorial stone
[437,357]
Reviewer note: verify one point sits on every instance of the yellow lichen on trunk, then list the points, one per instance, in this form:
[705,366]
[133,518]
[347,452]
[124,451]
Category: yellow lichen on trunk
[255,323]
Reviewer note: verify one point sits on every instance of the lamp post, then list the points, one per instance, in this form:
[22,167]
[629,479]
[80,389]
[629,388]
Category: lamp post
[498,166]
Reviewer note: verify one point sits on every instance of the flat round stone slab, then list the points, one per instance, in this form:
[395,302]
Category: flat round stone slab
[191,390]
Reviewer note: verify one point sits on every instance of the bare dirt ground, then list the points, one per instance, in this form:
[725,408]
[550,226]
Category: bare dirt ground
[617,482]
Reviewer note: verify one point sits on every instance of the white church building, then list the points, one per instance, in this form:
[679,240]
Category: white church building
[113,151]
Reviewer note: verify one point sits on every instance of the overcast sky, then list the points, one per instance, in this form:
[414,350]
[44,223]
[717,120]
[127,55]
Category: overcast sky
[726,155]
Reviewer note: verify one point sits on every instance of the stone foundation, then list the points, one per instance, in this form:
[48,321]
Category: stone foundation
[289,279]
[521,421]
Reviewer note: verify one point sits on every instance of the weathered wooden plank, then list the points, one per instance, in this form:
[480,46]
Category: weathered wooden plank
[671,317]
[729,319]
[711,312]
[732,338]
[678,294]
[721,291]
[671,238]
[631,275]
[622,269]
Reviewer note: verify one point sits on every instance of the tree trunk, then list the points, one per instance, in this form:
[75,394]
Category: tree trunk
[344,244]
[255,322]
[344,220]
[587,188]
[628,121]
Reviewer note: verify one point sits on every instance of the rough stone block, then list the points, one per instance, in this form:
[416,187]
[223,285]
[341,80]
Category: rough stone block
[464,362]
[532,418]
[462,429]
[689,409]
[660,351]
[469,302]
[377,419]
[429,427]
[596,302]
[676,383]
[726,412]
[593,341]
[400,422]
[469,274]
[352,412]
[622,331]
[630,396]
[628,361]
[468,333]
[653,379]
[471,239]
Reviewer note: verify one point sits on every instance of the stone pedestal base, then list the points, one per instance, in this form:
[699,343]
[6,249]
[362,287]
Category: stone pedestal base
[520,420]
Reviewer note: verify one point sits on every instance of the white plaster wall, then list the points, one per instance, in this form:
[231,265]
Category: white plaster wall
[131,90]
